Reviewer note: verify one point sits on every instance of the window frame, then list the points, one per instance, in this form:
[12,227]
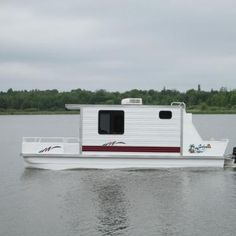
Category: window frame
[164,117]
[111,111]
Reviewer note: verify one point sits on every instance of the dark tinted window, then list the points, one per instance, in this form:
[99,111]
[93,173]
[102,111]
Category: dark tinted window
[111,122]
[165,114]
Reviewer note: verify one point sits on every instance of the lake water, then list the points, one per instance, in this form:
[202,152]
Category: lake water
[112,202]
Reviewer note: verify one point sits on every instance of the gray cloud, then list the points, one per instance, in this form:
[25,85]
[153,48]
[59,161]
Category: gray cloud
[117,45]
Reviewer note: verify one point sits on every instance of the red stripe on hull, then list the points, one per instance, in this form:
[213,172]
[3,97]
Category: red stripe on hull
[129,149]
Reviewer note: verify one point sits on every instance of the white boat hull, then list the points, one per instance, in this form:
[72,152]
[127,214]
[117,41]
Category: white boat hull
[79,162]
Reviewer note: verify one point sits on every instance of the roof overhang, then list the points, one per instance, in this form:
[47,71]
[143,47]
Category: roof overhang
[80,106]
[73,106]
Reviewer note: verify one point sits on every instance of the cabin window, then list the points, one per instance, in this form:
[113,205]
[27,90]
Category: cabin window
[111,122]
[165,114]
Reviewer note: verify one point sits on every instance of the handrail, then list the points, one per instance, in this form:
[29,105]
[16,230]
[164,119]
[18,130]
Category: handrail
[181,104]
[51,139]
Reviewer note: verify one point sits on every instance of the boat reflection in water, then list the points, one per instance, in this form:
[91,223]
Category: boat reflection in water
[112,208]
[150,202]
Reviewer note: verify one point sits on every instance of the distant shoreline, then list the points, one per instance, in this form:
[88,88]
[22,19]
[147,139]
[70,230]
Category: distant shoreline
[64,112]
[39,112]
[46,102]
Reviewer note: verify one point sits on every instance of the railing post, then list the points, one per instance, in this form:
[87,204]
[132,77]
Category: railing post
[181,130]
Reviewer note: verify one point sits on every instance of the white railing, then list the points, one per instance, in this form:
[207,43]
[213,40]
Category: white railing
[50,140]
[51,145]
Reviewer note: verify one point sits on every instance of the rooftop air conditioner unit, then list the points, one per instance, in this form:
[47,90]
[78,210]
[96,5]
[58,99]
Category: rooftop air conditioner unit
[132,101]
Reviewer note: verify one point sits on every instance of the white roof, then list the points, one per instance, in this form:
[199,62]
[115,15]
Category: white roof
[80,106]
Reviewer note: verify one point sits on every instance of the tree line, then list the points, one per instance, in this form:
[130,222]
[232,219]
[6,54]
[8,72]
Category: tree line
[54,100]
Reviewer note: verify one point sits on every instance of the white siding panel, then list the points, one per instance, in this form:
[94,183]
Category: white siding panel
[143,127]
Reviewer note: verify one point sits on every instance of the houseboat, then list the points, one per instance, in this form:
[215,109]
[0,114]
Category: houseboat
[130,135]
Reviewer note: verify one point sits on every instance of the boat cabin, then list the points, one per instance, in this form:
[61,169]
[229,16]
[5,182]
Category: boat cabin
[135,129]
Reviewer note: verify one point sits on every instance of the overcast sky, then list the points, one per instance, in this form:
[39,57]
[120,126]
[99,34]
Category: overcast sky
[117,44]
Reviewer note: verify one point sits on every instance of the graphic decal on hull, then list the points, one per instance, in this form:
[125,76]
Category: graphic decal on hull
[113,143]
[200,148]
[47,149]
